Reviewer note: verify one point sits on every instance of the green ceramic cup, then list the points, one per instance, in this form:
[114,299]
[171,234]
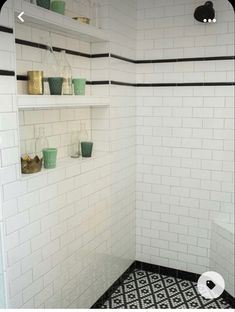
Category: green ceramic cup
[49,157]
[79,86]
[58,7]
[44,4]
[86,148]
[55,85]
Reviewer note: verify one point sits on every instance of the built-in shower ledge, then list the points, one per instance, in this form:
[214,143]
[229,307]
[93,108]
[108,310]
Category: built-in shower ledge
[69,167]
[60,101]
[40,18]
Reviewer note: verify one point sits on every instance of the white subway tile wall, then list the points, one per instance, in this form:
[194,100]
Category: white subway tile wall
[222,253]
[184,134]
[61,127]
[68,234]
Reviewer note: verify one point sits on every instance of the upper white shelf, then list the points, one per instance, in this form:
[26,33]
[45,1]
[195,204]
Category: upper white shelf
[57,23]
[60,101]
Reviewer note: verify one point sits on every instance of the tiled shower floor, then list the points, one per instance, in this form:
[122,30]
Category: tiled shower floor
[147,290]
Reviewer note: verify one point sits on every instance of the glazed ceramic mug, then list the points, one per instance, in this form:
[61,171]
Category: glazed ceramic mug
[79,86]
[49,157]
[58,7]
[55,85]
[44,4]
[86,148]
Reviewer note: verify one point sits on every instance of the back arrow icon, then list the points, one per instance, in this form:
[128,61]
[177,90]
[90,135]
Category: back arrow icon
[20,17]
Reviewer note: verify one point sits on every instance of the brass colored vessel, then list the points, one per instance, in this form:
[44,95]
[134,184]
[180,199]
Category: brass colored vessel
[82,19]
[35,82]
[30,165]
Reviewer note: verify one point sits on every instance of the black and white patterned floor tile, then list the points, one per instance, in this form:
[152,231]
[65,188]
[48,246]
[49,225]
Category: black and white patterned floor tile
[147,290]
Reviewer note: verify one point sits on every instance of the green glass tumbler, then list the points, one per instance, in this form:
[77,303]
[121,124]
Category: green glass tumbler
[58,7]
[44,4]
[86,148]
[55,85]
[79,86]
[49,157]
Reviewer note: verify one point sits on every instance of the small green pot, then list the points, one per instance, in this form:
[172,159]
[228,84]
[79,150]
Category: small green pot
[49,157]
[58,7]
[55,85]
[44,4]
[86,148]
[79,86]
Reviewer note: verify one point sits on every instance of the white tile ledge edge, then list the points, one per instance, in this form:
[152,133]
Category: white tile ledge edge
[61,24]
[77,165]
[48,101]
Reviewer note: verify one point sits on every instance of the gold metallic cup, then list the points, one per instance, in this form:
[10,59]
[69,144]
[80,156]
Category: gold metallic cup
[82,19]
[35,82]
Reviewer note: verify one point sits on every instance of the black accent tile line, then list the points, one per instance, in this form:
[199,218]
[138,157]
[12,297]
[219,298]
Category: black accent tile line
[100,55]
[7,72]
[189,59]
[100,82]
[30,44]
[6,29]
[193,277]
[128,84]
[122,58]
[113,287]
[119,83]
[44,47]
[57,49]
[22,78]
[71,52]
[185,84]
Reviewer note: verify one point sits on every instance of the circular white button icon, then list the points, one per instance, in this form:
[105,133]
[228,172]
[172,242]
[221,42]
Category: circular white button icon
[210,285]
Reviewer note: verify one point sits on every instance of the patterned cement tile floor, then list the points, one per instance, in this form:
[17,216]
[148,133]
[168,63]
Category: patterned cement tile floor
[147,290]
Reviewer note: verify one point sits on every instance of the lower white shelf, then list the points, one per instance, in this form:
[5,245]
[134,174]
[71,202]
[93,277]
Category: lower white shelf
[70,167]
[60,101]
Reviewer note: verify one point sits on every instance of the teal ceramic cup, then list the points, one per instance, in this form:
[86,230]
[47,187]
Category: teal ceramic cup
[58,7]
[79,86]
[86,148]
[49,157]
[44,4]
[55,85]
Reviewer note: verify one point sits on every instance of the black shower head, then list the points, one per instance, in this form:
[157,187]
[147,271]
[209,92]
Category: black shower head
[205,13]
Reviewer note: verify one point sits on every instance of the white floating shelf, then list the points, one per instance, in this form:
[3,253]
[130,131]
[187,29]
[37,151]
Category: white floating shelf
[73,166]
[60,101]
[50,21]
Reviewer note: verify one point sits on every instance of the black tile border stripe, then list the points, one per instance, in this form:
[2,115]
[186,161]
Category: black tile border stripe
[119,83]
[191,84]
[189,59]
[153,61]
[6,29]
[57,49]
[122,58]
[185,84]
[98,82]
[193,277]
[128,84]
[7,72]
